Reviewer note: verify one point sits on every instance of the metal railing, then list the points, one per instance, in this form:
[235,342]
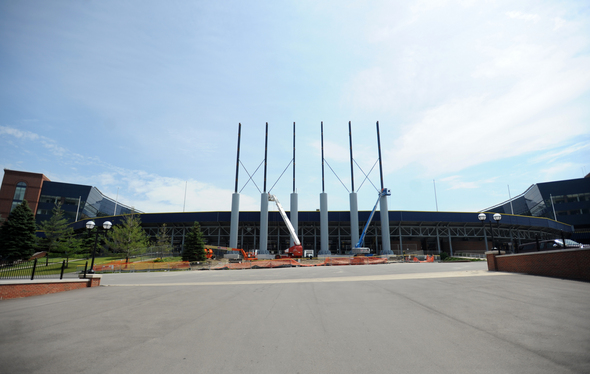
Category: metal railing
[36,269]
[470,255]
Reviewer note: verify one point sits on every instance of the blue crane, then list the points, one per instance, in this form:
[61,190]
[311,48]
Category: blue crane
[384,192]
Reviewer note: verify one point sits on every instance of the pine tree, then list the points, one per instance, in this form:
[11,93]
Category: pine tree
[163,241]
[194,245]
[128,237]
[17,234]
[58,234]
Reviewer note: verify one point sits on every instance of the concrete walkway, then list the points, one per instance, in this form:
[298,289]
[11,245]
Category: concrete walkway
[395,318]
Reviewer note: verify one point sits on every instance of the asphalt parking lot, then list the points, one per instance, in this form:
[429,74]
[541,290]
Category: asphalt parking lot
[395,318]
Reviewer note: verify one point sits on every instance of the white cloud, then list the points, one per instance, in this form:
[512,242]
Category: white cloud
[557,154]
[153,193]
[523,16]
[27,135]
[455,182]
[558,23]
[501,92]
[557,171]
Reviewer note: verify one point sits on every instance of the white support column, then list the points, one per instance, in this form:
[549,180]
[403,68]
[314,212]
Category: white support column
[235,220]
[294,213]
[263,250]
[324,250]
[354,220]
[385,233]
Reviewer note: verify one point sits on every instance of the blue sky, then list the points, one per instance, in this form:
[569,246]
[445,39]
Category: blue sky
[143,98]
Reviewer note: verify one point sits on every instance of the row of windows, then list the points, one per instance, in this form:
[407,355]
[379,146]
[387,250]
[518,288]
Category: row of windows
[572,212]
[562,199]
[58,200]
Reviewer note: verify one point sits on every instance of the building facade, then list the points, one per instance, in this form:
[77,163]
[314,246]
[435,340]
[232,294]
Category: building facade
[410,231]
[565,201]
[78,201]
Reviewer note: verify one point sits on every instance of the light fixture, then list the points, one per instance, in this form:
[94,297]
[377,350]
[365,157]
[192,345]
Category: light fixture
[106,225]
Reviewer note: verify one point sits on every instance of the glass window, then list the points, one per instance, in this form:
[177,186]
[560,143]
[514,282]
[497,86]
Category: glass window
[19,194]
[70,201]
[49,199]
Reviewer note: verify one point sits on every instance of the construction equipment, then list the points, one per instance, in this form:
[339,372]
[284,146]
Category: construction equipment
[358,249]
[246,255]
[295,251]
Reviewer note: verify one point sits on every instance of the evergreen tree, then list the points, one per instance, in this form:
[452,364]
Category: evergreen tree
[87,242]
[194,245]
[59,236]
[17,234]
[129,237]
[163,241]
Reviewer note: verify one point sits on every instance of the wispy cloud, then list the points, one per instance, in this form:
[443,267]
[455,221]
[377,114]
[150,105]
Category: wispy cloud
[523,16]
[153,193]
[148,192]
[26,135]
[501,98]
[455,182]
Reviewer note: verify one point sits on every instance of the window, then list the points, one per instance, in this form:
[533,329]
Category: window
[70,201]
[49,199]
[19,194]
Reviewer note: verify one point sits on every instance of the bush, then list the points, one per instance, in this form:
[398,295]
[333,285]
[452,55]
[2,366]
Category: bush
[444,256]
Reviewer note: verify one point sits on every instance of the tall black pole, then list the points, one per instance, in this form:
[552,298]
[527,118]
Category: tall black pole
[351,165]
[265,154]
[238,157]
[380,163]
[94,252]
[322,125]
[492,230]
[293,156]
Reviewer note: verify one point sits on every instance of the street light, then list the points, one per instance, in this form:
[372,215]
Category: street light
[106,225]
[497,217]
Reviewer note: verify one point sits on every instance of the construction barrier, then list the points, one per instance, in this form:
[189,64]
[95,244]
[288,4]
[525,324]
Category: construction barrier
[122,266]
[289,262]
[428,259]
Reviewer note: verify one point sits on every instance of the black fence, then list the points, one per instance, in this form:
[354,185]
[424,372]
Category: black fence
[37,269]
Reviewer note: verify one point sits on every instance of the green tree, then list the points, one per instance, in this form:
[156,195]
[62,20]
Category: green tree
[194,245]
[17,234]
[87,241]
[128,237]
[59,236]
[163,241]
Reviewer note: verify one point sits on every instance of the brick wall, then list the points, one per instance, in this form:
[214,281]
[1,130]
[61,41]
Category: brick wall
[17,289]
[11,178]
[567,264]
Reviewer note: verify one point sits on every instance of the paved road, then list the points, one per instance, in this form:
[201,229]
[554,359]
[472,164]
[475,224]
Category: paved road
[397,318]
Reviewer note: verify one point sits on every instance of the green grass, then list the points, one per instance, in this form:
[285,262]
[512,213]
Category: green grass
[452,259]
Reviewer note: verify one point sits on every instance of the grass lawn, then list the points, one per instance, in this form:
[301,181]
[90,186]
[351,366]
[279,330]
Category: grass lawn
[462,259]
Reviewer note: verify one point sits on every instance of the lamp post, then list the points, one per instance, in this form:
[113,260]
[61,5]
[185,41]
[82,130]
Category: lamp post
[106,225]
[497,217]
